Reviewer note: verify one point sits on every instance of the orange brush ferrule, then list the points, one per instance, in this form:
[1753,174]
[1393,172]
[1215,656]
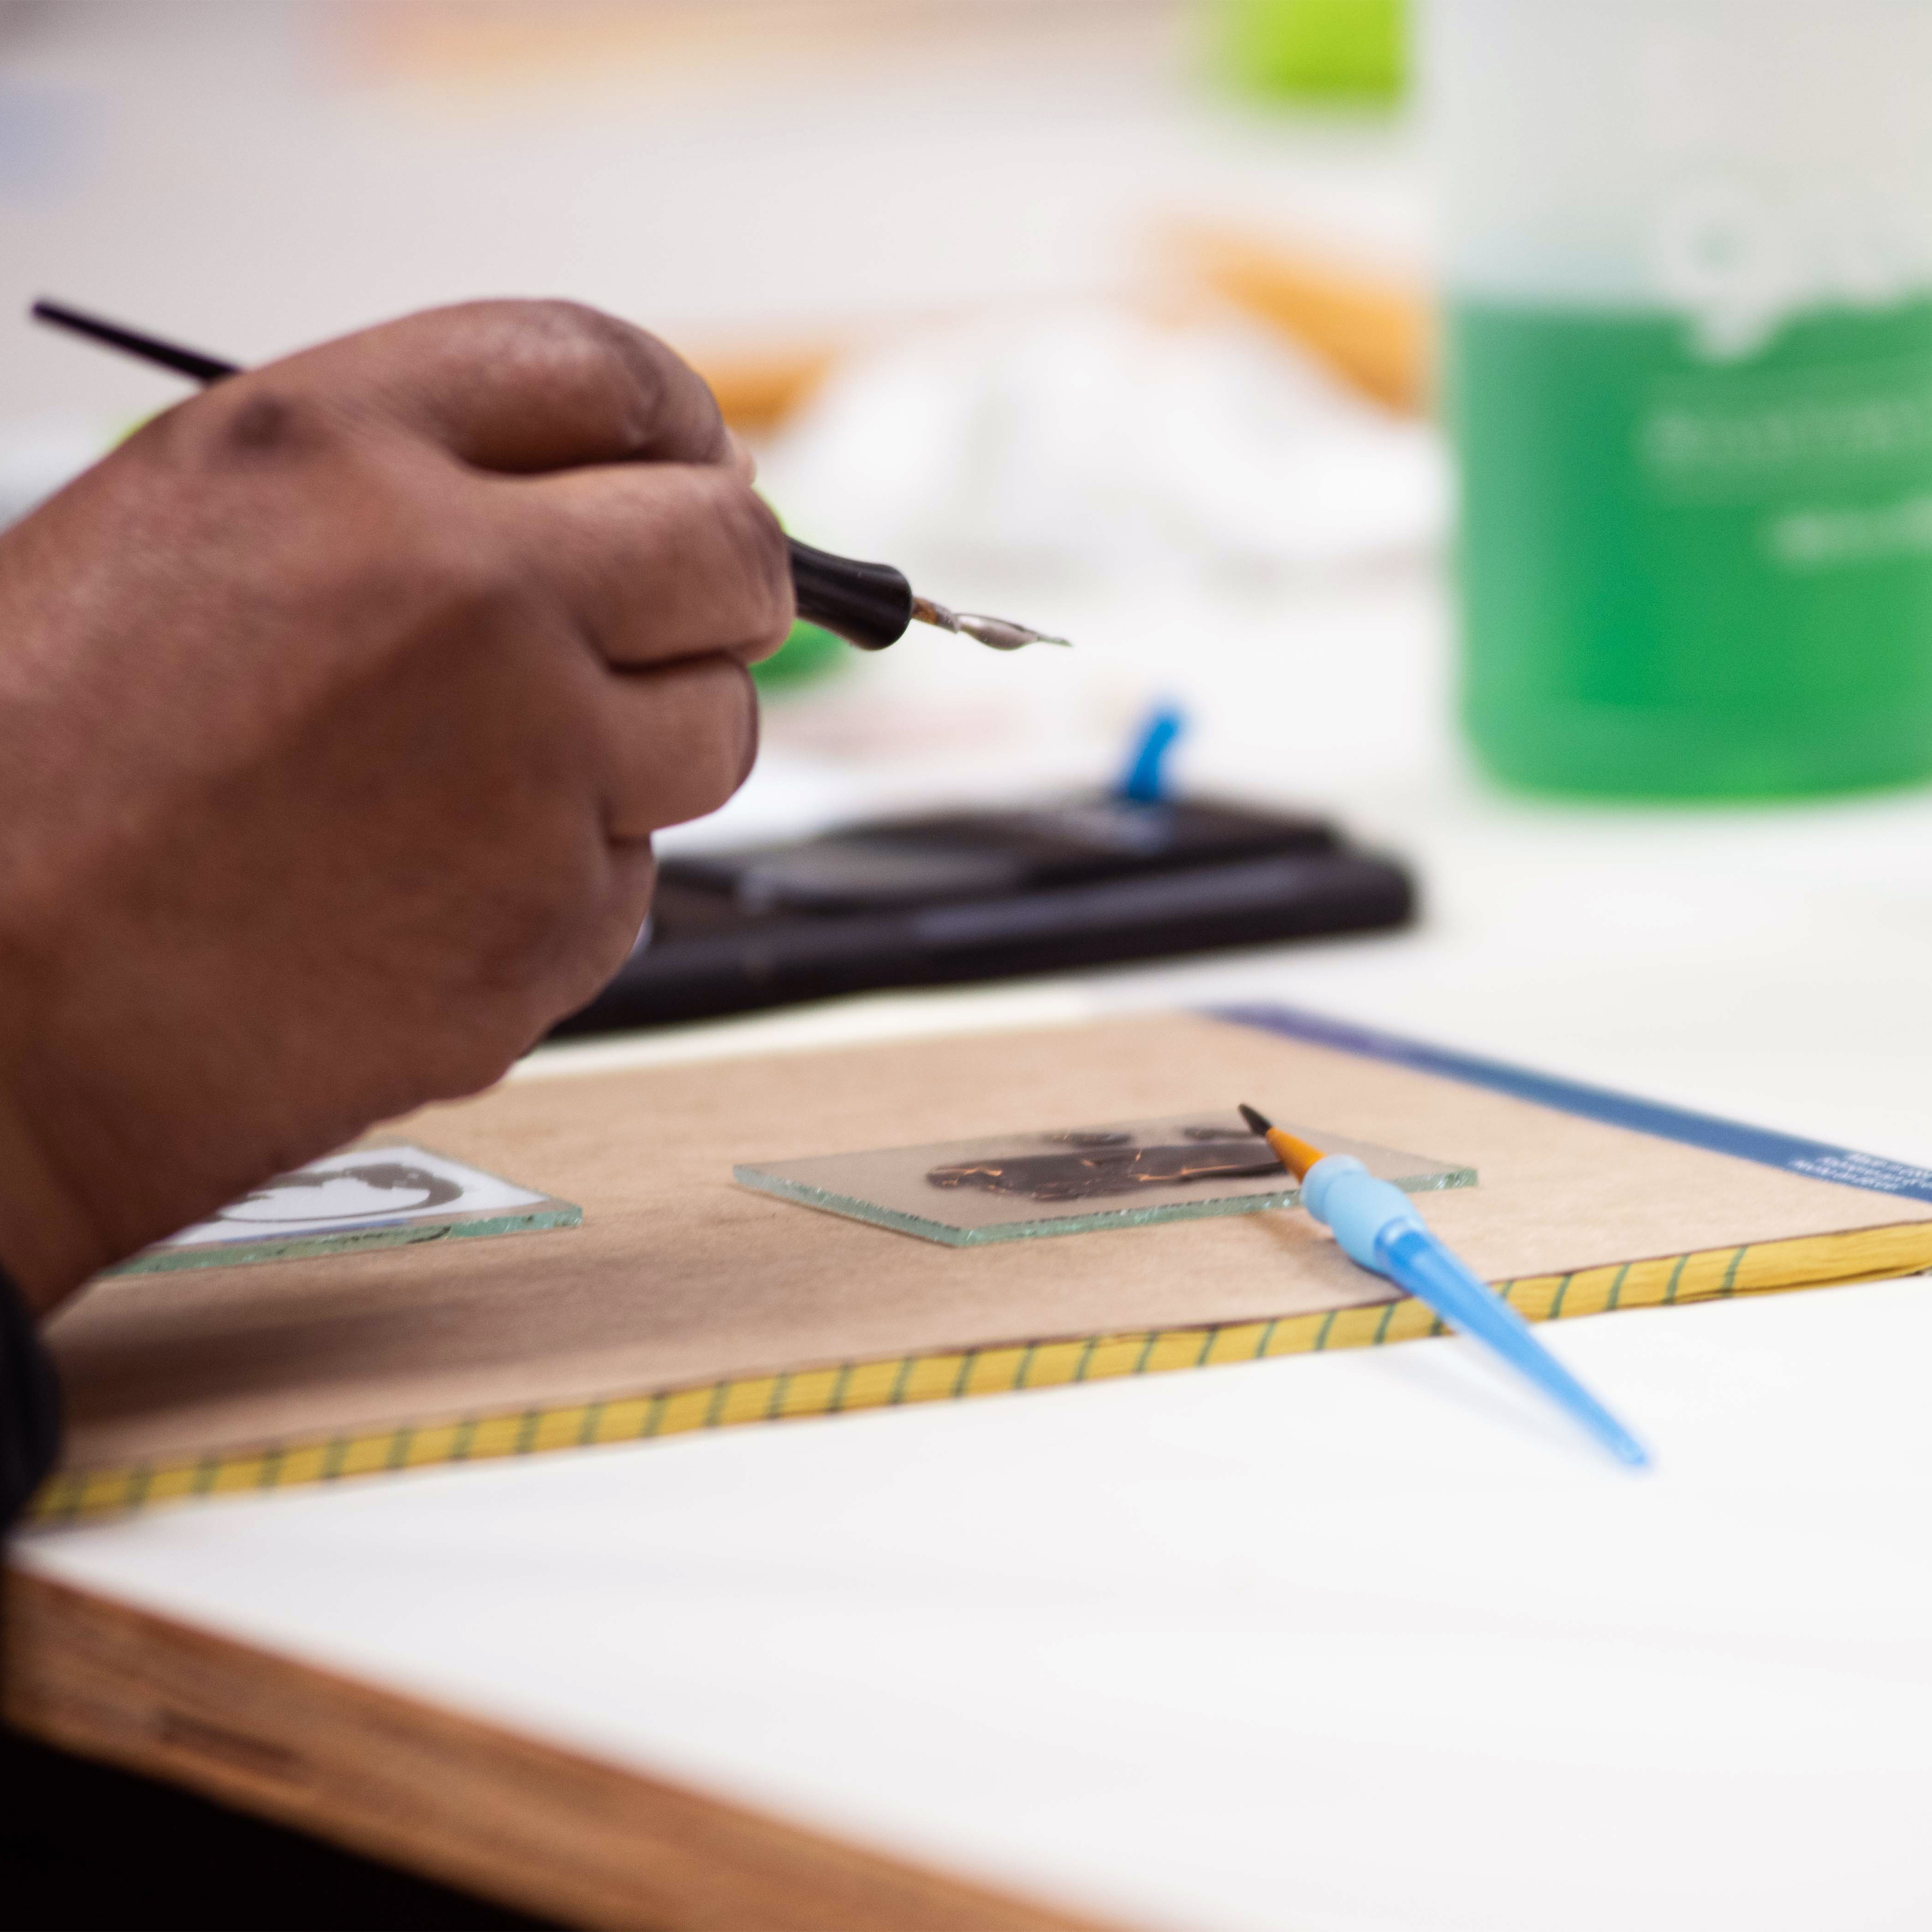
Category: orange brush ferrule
[1297,1156]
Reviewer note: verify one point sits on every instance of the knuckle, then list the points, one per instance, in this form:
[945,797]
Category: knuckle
[468,586]
[750,720]
[726,742]
[732,702]
[241,423]
[473,1063]
[439,571]
[632,375]
[534,939]
[760,559]
[268,423]
[614,929]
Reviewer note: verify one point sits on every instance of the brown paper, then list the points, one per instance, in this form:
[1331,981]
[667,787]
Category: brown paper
[678,1276]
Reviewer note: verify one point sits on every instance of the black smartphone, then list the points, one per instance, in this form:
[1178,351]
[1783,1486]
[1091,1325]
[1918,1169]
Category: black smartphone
[959,896]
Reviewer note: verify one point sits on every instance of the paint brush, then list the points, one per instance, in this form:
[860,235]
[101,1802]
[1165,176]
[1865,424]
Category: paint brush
[868,604]
[1378,1227]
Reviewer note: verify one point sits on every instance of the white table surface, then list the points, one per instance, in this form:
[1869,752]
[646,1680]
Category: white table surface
[1357,1641]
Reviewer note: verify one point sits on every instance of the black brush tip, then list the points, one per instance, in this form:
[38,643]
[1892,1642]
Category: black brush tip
[1260,1123]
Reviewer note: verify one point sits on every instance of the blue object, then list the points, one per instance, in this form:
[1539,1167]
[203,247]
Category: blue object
[1145,780]
[1817,1159]
[1378,1228]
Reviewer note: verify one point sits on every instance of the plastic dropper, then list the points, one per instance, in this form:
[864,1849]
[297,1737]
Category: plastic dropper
[1378,1228]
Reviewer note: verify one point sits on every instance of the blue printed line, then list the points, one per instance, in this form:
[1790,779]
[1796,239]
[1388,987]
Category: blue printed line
[1816,1160]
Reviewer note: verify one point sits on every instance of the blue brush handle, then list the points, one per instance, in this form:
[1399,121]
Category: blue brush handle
[1144,781]
[1378,1228]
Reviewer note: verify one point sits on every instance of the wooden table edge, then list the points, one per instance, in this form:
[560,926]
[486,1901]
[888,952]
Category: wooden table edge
[546,1829]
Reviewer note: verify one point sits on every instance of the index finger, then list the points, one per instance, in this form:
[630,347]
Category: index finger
[522,386]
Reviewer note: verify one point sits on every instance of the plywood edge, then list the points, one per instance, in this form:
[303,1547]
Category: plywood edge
[537,1826]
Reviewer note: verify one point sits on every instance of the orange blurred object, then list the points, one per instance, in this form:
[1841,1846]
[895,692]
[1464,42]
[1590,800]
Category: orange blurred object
[758,389]
[1374,332]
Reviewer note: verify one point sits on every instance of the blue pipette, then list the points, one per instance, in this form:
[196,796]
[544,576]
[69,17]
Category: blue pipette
[1378,1227]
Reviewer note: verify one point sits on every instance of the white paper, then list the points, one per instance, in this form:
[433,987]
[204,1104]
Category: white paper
[364,1187]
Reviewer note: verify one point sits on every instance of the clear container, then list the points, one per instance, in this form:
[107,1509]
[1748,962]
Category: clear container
[1688,368]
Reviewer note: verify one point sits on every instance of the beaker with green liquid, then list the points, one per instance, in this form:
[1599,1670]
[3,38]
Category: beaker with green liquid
[1688,370]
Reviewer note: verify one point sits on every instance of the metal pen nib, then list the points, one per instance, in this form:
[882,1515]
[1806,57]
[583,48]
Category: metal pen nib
[997,633]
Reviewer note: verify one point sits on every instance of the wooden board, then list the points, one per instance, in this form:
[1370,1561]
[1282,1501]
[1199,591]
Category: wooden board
[678,1276]
[550,1831]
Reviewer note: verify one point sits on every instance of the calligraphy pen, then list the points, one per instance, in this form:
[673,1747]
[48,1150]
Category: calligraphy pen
[867,604]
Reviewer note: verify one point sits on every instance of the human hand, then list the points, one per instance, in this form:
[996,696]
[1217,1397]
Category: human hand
[337,706]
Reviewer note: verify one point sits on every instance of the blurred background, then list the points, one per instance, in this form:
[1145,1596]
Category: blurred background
[961,269]
[1127,318]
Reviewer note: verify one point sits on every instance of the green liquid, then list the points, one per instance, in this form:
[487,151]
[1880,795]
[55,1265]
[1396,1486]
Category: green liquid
[1682,578]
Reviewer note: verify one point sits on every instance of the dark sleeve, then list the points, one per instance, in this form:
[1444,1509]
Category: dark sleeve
[29,1404]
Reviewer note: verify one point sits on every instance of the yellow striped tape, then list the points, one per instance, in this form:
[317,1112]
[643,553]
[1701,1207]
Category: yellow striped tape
[1817,1260]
